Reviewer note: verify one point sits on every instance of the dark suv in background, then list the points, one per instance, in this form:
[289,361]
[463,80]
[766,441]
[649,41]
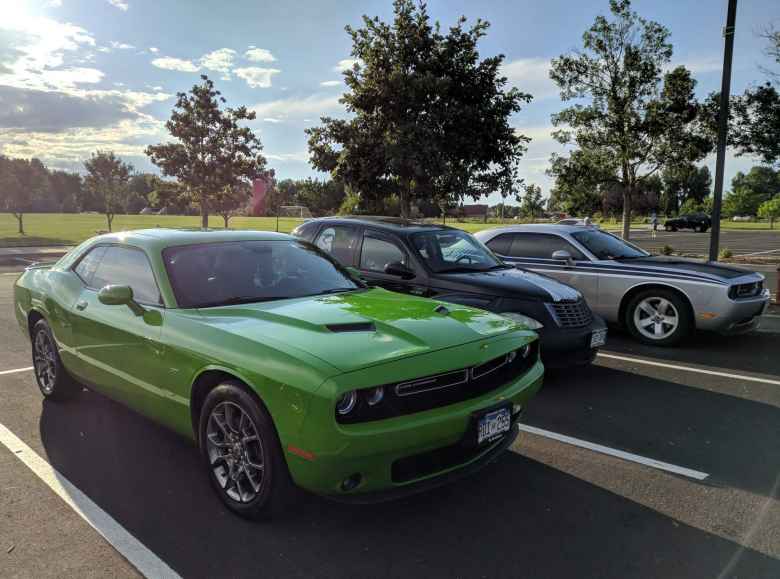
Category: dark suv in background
[451,265]
[697,221]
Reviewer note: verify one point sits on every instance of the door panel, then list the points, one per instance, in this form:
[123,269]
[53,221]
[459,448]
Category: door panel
[378,250]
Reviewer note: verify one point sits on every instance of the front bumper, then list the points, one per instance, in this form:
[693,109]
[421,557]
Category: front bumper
[374,450]
[564,347]
[734,316]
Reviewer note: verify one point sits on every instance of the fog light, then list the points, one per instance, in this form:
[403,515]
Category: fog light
[346,403]
[525,350]
[351,482]
[516,409]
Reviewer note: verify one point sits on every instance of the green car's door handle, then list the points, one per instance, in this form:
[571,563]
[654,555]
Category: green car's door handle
[81,305]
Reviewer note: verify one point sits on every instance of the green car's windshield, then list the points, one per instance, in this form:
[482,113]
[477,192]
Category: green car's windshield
[607,246]
[239,272]
[454,251]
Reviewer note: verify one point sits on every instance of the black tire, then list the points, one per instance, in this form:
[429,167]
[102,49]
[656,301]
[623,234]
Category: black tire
[275,484]
[52,378]
[668,337]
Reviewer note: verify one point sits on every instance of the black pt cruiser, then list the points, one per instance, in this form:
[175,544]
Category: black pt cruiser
[451,265]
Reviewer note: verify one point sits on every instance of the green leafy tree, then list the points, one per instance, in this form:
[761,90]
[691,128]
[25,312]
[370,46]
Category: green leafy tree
[531,204]
[630,124]
[321,197]
[755,124]
[684,183]
[231,199]
[213,151]
[770,210]
[64,191]
[22,182]
[108,178]
[749,190]
[429,119]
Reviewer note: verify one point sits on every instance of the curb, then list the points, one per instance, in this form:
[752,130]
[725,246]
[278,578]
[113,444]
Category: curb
[29,255]
[770,324]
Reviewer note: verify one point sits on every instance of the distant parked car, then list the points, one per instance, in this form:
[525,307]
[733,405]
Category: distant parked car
[148,211]
[697,221]
[450,265]
[576,221]
[742,218]
[658,299]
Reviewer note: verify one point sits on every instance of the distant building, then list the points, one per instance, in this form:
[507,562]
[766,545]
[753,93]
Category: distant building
[260,188]
[468,211]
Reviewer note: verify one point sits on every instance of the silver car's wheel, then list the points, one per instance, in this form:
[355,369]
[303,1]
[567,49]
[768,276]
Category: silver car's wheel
[656,318]
[235,452]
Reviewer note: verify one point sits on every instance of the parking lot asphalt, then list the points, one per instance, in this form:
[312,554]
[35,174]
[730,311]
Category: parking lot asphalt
[547,508]
[738,241]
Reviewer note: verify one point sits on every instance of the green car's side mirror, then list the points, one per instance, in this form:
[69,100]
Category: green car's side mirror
[120,295]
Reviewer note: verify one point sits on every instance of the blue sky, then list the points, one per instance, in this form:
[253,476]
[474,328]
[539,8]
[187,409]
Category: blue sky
[78,75]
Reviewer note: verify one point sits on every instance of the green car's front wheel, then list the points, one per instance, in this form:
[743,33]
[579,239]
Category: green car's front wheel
[53,380]
[242,452]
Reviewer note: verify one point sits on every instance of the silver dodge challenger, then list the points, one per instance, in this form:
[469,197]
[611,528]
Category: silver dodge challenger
[658,299]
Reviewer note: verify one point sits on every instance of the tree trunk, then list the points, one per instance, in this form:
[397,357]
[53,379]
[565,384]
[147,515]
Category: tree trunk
[225,218]
[20,219]
[204,213]
[403,199]
[110,220]
[627,213]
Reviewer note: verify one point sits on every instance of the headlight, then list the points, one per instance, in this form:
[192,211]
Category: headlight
[375,395]
[346,403]
[530,323]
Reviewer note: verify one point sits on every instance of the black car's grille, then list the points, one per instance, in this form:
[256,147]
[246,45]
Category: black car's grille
[438,390]
[572,314]
[746,290]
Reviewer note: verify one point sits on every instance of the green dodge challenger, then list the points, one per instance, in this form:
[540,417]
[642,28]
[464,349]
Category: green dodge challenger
[281,364]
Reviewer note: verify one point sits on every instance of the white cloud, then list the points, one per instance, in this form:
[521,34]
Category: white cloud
[259,55]
[220,60]
[53,3]
[344,64]
[271,120]
[300,156]
[121,45]
[531,75]
[170,63]
[698,64]
[154,49]
[256,77]
[104,49]
[315,104]
[330,83]
[121,4]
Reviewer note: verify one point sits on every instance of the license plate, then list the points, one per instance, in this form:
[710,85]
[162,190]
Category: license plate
[493,425]
[598,338]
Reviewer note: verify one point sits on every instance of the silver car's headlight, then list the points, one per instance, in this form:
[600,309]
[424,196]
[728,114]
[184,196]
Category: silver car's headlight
[529,322]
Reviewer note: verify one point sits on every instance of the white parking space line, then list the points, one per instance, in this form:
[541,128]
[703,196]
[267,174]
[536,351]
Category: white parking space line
[690,369]
[16,370]
[761,252]
[651,462]
[147,563]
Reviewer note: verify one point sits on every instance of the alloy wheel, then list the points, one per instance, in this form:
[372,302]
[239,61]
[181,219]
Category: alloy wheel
[235,452]
[45,362]
[656,318]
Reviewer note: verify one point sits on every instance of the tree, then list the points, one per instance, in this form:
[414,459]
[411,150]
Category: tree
[430,120]
[213,151]
[230,199]
[64,190]
[107,178]
[770,210]
[633,124]
[684,183]
[21,183]
[755,123]
[531,204]
[749,191]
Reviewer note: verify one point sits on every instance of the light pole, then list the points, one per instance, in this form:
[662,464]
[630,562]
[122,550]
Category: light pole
[723,126]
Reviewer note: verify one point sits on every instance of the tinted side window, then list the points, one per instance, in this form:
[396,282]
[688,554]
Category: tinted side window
[124,266]
[339,241]
[500,244]
[86,266]
[306,230]
[541,246]
[377,253]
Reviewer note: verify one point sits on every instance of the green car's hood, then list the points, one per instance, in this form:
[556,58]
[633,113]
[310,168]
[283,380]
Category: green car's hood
[390,326]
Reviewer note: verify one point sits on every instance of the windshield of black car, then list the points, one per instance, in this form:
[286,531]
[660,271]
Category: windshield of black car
[213,274]
[454,251]
[607,246]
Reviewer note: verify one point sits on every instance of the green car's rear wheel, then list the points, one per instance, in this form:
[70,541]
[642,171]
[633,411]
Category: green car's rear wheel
[53,380]
[242,452]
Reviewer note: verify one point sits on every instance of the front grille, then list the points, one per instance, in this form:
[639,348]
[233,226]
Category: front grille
[427,463]
[438,390]
[746,290]
[572,314]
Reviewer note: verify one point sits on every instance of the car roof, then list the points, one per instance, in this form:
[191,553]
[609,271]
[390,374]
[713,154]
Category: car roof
[161,237]
[537,228]
[394,224]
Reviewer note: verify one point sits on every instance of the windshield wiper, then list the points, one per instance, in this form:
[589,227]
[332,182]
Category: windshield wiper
[460,269]
[237,300]
[337,290]
[500,266]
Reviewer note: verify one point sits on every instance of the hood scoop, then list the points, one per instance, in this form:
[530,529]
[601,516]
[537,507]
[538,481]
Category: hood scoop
[352,327]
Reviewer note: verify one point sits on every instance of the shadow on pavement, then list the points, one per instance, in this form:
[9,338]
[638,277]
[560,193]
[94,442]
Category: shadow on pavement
[518,518]
[752,353]
[735,440]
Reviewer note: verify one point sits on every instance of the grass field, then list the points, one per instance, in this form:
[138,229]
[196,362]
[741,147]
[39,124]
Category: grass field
[71,228]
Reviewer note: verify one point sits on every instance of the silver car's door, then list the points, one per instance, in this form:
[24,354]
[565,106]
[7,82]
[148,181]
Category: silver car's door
[534,251]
